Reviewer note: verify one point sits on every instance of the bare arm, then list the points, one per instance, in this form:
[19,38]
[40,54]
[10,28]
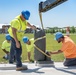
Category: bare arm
[56,52]
[5,51]
[31,26]
[14,30]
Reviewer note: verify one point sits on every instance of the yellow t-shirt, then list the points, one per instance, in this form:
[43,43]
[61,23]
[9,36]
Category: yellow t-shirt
[19,25]
[6,45]
[30,47]
[68,48]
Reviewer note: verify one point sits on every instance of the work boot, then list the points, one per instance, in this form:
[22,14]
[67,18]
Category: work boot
[21,68]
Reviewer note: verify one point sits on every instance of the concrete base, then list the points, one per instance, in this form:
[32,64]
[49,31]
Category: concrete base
[58,69]
[44,63]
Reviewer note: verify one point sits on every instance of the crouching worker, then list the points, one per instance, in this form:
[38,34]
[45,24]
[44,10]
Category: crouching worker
[68,48]
[29,46]
[6,46]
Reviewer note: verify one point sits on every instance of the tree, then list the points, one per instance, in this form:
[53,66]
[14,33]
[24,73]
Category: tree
[73,29]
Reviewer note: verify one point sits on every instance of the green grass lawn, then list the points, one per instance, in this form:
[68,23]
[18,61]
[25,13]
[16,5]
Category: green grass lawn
[51,45]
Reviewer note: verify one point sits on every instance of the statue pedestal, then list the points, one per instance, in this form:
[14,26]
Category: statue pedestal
[44,63]
[40,58]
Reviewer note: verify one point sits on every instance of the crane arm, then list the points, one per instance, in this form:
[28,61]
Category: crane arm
[49,4]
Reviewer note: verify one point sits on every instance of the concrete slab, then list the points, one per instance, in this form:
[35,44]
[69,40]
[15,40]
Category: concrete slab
[7,67]
[57,69]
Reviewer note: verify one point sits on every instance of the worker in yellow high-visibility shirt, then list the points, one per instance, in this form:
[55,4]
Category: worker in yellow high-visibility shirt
[16,31]
[29,43]
[6,46]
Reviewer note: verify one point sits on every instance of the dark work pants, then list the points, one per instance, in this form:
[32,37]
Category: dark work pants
[70,62]
[17,52]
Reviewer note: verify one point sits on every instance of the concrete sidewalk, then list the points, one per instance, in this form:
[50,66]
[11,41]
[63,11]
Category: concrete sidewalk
[57,69]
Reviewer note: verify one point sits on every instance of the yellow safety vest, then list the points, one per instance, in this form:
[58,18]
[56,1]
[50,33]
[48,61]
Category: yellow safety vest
[20,26]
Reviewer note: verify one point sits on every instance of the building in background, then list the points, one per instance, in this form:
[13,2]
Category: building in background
[5,28]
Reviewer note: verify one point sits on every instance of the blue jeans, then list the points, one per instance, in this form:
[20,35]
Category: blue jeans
[14,51]
[70,62]
[6,56]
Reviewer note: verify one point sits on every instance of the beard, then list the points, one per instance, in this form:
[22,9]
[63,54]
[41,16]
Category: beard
[59,41]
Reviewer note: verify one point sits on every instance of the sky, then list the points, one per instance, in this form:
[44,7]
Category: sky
[61,16]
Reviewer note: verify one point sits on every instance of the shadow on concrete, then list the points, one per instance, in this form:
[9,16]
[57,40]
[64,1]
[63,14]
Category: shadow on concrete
[33,71]
[69,70]
[36,70]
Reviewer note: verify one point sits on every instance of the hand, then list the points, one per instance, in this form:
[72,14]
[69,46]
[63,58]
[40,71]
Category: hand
[17,44]
[34,27]
[50,53]
[37,27]
[7,52]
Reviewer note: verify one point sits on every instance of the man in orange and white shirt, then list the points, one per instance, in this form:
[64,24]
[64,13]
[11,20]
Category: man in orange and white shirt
[68,48]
